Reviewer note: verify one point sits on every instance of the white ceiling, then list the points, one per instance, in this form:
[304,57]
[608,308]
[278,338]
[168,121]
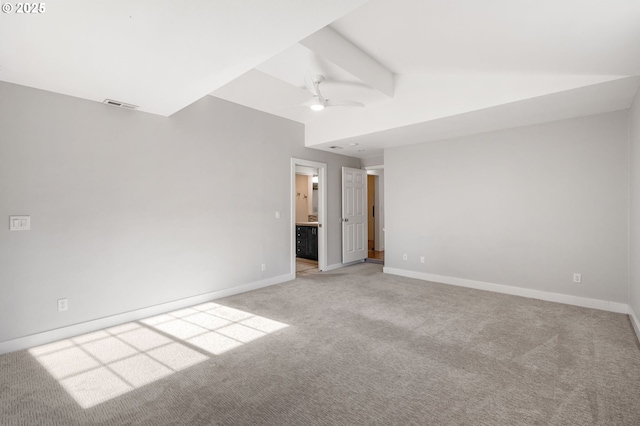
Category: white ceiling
[460,67]
[161,55]
[610,96]
[425,69]
[499,36]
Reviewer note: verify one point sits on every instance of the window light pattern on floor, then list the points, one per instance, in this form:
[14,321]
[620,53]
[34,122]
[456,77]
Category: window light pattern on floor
[214,328]
[96,367]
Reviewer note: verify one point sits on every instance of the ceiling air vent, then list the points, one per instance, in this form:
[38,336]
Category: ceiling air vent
[335,147]
[119,104]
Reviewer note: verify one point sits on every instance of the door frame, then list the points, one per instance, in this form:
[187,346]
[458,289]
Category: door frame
[322,211]
[378,171]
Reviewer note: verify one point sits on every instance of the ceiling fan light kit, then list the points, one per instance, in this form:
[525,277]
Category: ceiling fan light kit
[317,106]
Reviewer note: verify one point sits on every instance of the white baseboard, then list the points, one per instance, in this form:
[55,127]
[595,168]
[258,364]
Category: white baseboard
[634,322]
[110,321]
[621,308]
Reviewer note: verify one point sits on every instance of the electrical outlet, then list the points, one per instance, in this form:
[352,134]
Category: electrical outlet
[63,305]
[421,259]
[577,278]
[264,267]
[405,257]
[19,223]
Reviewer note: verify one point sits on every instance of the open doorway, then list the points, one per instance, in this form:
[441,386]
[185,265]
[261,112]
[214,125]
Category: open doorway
[375,207]
[306,233]
[308,210]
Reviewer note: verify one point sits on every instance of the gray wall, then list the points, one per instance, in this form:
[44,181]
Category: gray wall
[634,220]
[130,210]
[524,207]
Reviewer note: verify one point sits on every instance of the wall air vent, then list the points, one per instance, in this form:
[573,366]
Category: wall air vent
[335,147]
[119,104]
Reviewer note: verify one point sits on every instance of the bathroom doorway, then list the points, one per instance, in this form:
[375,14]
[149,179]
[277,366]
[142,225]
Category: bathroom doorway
[308,212]
[306,233]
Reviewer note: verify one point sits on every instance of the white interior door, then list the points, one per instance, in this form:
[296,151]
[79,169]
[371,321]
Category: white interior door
[354,214]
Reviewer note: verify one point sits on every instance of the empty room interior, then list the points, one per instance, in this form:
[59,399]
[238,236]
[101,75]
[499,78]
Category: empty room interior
[300,212]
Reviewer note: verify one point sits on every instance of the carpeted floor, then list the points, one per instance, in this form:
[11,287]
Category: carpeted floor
[367,348]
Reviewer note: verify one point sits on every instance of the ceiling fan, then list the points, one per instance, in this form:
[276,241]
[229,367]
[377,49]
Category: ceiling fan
[319,102]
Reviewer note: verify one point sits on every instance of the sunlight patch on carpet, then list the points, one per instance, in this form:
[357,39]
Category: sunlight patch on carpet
[214,328]
[96,367]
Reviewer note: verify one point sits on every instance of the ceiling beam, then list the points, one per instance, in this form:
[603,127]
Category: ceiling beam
[334,47]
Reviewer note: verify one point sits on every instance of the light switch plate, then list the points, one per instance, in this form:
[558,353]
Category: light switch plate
[19,223]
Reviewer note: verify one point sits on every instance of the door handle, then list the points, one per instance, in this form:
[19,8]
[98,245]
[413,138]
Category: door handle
[344,220]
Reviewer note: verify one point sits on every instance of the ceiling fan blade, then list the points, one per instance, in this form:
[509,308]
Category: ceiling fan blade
[317,102]
[307,104]
[331,103]
[340,83]
[308,82]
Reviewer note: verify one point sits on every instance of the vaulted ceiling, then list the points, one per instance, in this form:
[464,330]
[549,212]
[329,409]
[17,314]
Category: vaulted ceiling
[160,55]
[459,67]
[424,69]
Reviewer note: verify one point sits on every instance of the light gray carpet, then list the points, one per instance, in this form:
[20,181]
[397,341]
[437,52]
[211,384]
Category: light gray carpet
[369,348]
